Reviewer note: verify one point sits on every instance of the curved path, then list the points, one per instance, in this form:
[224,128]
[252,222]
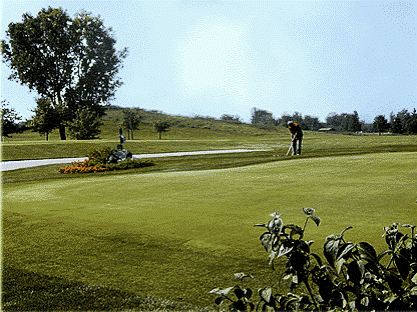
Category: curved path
[20,164]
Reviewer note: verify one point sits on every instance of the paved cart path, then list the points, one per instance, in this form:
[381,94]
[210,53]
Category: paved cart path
[20,164]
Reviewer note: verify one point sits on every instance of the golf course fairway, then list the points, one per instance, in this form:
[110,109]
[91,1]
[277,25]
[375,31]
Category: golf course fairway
[176,235]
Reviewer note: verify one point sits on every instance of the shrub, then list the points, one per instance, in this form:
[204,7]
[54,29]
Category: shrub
[98,162]
[354,278]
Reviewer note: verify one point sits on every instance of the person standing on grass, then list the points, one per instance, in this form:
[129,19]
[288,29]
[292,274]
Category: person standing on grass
[297,137]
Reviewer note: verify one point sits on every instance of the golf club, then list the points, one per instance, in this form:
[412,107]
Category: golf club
[289,149]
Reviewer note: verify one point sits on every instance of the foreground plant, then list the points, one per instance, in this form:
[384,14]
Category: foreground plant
[98,161]
[354,278]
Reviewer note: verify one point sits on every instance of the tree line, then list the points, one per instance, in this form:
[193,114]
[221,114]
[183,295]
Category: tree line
[403,122]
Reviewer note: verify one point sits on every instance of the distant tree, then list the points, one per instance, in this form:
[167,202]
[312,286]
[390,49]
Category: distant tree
[45,119]
[9,118]
[380,124]
[85,125]
[297,117]
[162,126]
[333,120]
[230,118]
[344,122]
[71,62]
[354,122]
[263,117]
[399,122]
[411,125]
[395,124]
[284,120]
[312,123]
[131,121]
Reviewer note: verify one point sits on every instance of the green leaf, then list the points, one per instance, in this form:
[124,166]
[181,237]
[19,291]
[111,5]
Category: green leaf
[239,305]
[367,252]
[331,249]
[308,211]
[283,250]
[356,270]
[219,291]
[365,301]
[386,252]
[345,251]
[242,275]
[339,264]
[239,293]
[248,293]
[295,230]
[318,259]
[414,279]
[266,240]
[275,215]
[402,265]
[394,282]
[316,219]
[265,294]
[219,300]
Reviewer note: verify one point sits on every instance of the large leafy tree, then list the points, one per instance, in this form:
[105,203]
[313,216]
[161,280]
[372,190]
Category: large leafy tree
[71,62]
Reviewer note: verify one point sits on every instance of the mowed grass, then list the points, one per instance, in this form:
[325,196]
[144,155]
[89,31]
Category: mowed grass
[176,235]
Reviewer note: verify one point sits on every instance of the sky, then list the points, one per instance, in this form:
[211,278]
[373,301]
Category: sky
[209,58]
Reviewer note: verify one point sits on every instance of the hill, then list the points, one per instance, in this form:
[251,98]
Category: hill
[180,127]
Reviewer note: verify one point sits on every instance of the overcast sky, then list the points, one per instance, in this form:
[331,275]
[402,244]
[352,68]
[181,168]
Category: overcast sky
[224,57]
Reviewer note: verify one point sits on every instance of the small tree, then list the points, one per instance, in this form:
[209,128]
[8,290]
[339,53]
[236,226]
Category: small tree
[45,119]
[131,121]
[230,118]
[8,120]
[162,126]
[85,125]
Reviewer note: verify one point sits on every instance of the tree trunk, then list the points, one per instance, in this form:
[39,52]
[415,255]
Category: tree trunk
[62,132]
[47,136]
[160,132]
[132,134]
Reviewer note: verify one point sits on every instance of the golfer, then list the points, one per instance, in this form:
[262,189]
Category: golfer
[297,137]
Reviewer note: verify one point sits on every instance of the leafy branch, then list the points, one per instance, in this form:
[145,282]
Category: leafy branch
[353,278]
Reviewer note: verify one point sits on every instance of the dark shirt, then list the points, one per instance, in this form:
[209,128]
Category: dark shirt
[295,130]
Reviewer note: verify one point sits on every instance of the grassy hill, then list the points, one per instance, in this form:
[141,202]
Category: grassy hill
[181,127]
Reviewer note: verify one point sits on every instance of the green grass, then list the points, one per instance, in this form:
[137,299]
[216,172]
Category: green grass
[161,237]
[176,235]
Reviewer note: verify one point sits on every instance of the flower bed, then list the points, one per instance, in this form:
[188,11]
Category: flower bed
[98,162]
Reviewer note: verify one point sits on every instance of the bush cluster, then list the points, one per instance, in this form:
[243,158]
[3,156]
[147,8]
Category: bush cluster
[98,162]
[353,277]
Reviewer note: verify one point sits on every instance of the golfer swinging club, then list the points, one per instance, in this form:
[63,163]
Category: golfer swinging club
[297,137]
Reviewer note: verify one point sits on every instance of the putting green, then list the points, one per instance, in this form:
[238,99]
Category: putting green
[208,212]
